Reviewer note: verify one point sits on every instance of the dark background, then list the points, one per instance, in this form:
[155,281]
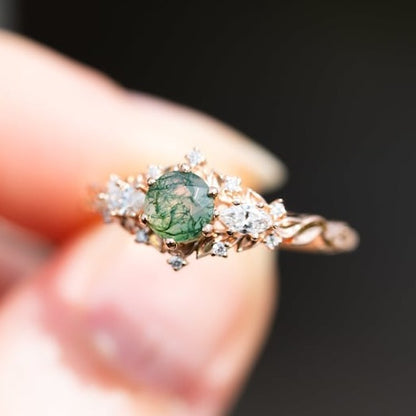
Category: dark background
[330,88]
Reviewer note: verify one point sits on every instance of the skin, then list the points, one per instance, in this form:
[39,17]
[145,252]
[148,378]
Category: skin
[90,323]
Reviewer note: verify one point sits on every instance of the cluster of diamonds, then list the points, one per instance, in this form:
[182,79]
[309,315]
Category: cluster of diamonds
[241,219]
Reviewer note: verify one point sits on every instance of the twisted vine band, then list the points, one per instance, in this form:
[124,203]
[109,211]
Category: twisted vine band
[188,207]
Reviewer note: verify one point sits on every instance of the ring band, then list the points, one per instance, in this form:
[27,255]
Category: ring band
[188,207]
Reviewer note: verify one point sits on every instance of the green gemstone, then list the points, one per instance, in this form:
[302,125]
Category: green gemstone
[177,206]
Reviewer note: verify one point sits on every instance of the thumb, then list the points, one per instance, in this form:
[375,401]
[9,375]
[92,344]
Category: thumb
[120,321]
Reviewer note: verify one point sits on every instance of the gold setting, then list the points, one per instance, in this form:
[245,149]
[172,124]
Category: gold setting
[242,218]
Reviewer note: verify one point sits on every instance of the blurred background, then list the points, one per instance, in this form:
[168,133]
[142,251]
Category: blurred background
[331,88]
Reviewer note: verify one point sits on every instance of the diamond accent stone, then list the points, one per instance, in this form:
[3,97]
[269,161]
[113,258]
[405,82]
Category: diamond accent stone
[195,157]
[232,183]
[123,198]
[219,249]
[142,236]
[153,172]
[246,219]
[272,241]
[177,262]
[277,209]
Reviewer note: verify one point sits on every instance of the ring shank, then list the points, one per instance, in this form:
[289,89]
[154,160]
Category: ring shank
[303,232]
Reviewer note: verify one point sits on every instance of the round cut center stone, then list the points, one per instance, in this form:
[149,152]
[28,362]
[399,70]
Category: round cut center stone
[177,206]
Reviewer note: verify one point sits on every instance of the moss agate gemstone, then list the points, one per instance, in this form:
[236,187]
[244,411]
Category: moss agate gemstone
[177,206]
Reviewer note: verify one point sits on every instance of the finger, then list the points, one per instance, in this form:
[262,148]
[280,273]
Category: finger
[108,326]
[21,253]
[64,126]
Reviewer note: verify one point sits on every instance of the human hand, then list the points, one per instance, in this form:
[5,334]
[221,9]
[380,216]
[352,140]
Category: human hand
[103,327]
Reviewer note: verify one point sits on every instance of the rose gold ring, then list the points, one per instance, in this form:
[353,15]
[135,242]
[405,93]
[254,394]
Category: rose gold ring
[188,207]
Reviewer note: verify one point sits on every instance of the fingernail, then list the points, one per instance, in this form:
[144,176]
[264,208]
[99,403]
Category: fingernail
[154,326]
[228,150]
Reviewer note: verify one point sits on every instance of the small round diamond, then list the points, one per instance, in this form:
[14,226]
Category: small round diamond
[219,249]
[142,236]
[195,157]
[277,209]
[177,262]
[272,241]
[153,172]
[232,183]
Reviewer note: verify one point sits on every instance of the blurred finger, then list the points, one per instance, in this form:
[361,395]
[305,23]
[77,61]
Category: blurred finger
[21,253]
[112,327]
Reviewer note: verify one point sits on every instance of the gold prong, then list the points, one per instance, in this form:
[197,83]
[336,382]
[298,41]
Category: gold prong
[260,205]
[143,218]
[212,191]
[207,230]
[170,243]
[184,167]
[141,187]
[236,202]
[151,181]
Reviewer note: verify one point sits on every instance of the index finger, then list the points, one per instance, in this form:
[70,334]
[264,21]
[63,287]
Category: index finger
[64,126]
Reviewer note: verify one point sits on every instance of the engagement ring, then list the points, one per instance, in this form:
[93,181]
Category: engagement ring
[188,207]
